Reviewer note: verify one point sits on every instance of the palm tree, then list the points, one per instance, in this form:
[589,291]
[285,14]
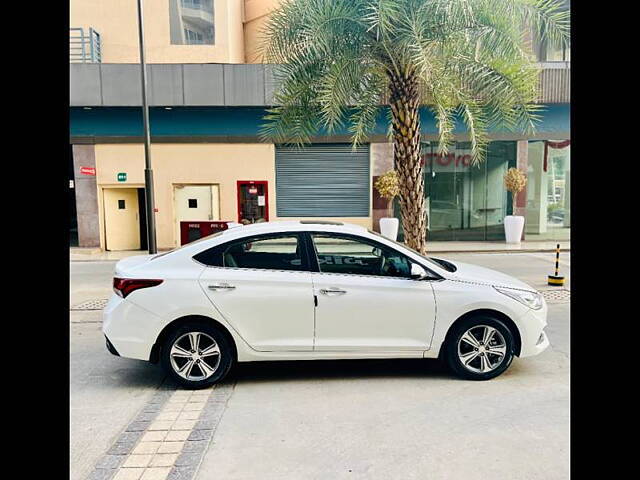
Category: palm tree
[463,59]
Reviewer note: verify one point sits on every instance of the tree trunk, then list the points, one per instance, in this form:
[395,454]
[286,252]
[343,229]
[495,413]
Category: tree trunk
[404,102]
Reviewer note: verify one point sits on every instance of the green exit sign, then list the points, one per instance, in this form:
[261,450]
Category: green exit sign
[122,177]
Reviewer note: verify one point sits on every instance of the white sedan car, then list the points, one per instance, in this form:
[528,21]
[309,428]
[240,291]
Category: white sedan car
[315,290]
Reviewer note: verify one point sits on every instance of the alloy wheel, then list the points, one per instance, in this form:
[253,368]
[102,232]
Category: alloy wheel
[195,356]
[482,349]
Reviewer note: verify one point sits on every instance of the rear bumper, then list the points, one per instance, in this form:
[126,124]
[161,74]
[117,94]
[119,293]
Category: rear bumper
[110,347]
[130,330]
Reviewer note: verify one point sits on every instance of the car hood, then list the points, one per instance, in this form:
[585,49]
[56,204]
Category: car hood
[467,272]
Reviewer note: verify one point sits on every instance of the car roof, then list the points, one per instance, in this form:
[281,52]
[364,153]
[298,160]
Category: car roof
[289,225]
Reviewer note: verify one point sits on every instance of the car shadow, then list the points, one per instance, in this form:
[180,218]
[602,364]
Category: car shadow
[337,369]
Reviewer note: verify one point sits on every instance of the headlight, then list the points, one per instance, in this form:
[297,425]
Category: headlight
[530,299]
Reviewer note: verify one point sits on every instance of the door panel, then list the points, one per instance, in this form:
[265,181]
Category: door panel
[121,217]
[272,310]
[366,300]
[374,313]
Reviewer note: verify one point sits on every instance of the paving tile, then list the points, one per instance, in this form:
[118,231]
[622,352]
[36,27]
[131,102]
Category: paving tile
[156,473]
[110,461]
[164,416]
[188,416]
[161,425]
[183,425]
[101,474]
[181,394]
[182,473]
[198,434]
[195,446]
[210,424]
[129,437]
[128,474]
[177,435]
[120,448]
[137,426]
[147,448]
[145,416]
[193,407]
[163,460]
[156,436]
[137,461]
[188,459]
[173,407]
[171,447]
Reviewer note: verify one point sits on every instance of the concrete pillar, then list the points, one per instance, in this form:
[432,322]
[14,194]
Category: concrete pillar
[381,162]
[86,196]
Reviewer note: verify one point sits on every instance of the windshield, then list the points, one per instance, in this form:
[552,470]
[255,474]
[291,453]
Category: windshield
[427,259]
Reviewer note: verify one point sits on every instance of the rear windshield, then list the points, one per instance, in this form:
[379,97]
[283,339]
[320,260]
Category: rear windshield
[213,235]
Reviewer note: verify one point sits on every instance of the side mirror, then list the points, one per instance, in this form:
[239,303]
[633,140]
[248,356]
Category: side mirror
[418,272]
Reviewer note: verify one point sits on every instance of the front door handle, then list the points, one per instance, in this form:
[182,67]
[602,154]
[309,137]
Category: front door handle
[332,291]
[221,286]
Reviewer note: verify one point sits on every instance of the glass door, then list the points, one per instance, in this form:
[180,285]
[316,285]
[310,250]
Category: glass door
[253,206]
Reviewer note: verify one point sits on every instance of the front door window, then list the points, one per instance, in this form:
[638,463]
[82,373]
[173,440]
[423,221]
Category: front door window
[350,256]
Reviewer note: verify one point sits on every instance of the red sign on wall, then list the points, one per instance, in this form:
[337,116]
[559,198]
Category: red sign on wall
[193,230]
[88,170]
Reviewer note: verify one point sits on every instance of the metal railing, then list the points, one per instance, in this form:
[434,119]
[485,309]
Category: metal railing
[84,46]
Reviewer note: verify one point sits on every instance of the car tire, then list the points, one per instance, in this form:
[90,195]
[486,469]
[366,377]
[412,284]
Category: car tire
[479,362]
[199,367]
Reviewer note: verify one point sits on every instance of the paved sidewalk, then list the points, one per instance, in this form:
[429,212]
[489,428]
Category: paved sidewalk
[96,255]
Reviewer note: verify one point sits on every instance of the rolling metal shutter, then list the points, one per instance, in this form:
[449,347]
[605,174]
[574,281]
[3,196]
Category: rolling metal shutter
[322,180]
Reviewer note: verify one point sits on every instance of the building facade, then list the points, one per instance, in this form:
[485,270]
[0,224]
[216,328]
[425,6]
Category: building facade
[208,92]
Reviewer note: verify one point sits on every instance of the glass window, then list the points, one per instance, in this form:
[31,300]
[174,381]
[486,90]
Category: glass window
[464,201]
[271,253]
[346,255]
[548,211]
[191,22]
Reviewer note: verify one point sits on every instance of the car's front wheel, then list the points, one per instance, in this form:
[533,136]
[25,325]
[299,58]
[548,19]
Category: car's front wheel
[196,355]
[479,348]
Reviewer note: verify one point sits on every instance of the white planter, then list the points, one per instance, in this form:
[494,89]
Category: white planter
[389,227]
[513,225]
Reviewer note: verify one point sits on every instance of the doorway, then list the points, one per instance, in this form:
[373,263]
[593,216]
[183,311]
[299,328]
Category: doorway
[122,219]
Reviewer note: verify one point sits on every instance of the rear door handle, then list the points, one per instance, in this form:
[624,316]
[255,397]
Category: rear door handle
[221,286]
[332,291]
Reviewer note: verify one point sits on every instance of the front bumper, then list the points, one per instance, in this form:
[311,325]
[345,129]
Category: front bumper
[532,334]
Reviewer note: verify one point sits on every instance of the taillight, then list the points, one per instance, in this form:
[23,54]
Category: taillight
[124,286]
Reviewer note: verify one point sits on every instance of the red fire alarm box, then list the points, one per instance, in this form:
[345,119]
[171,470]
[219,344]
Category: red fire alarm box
[190,230]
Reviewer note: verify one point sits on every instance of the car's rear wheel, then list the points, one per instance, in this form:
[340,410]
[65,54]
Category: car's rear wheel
[479,348]
[196,355]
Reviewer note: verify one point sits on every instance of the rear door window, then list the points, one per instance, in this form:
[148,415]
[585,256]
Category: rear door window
[274,252]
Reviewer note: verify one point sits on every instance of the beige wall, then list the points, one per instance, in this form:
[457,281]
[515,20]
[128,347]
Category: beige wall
[117,23]
[212,163]
[255,15]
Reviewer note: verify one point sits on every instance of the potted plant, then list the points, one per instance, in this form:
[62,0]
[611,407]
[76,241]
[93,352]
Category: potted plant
[387,187]
[514,181]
